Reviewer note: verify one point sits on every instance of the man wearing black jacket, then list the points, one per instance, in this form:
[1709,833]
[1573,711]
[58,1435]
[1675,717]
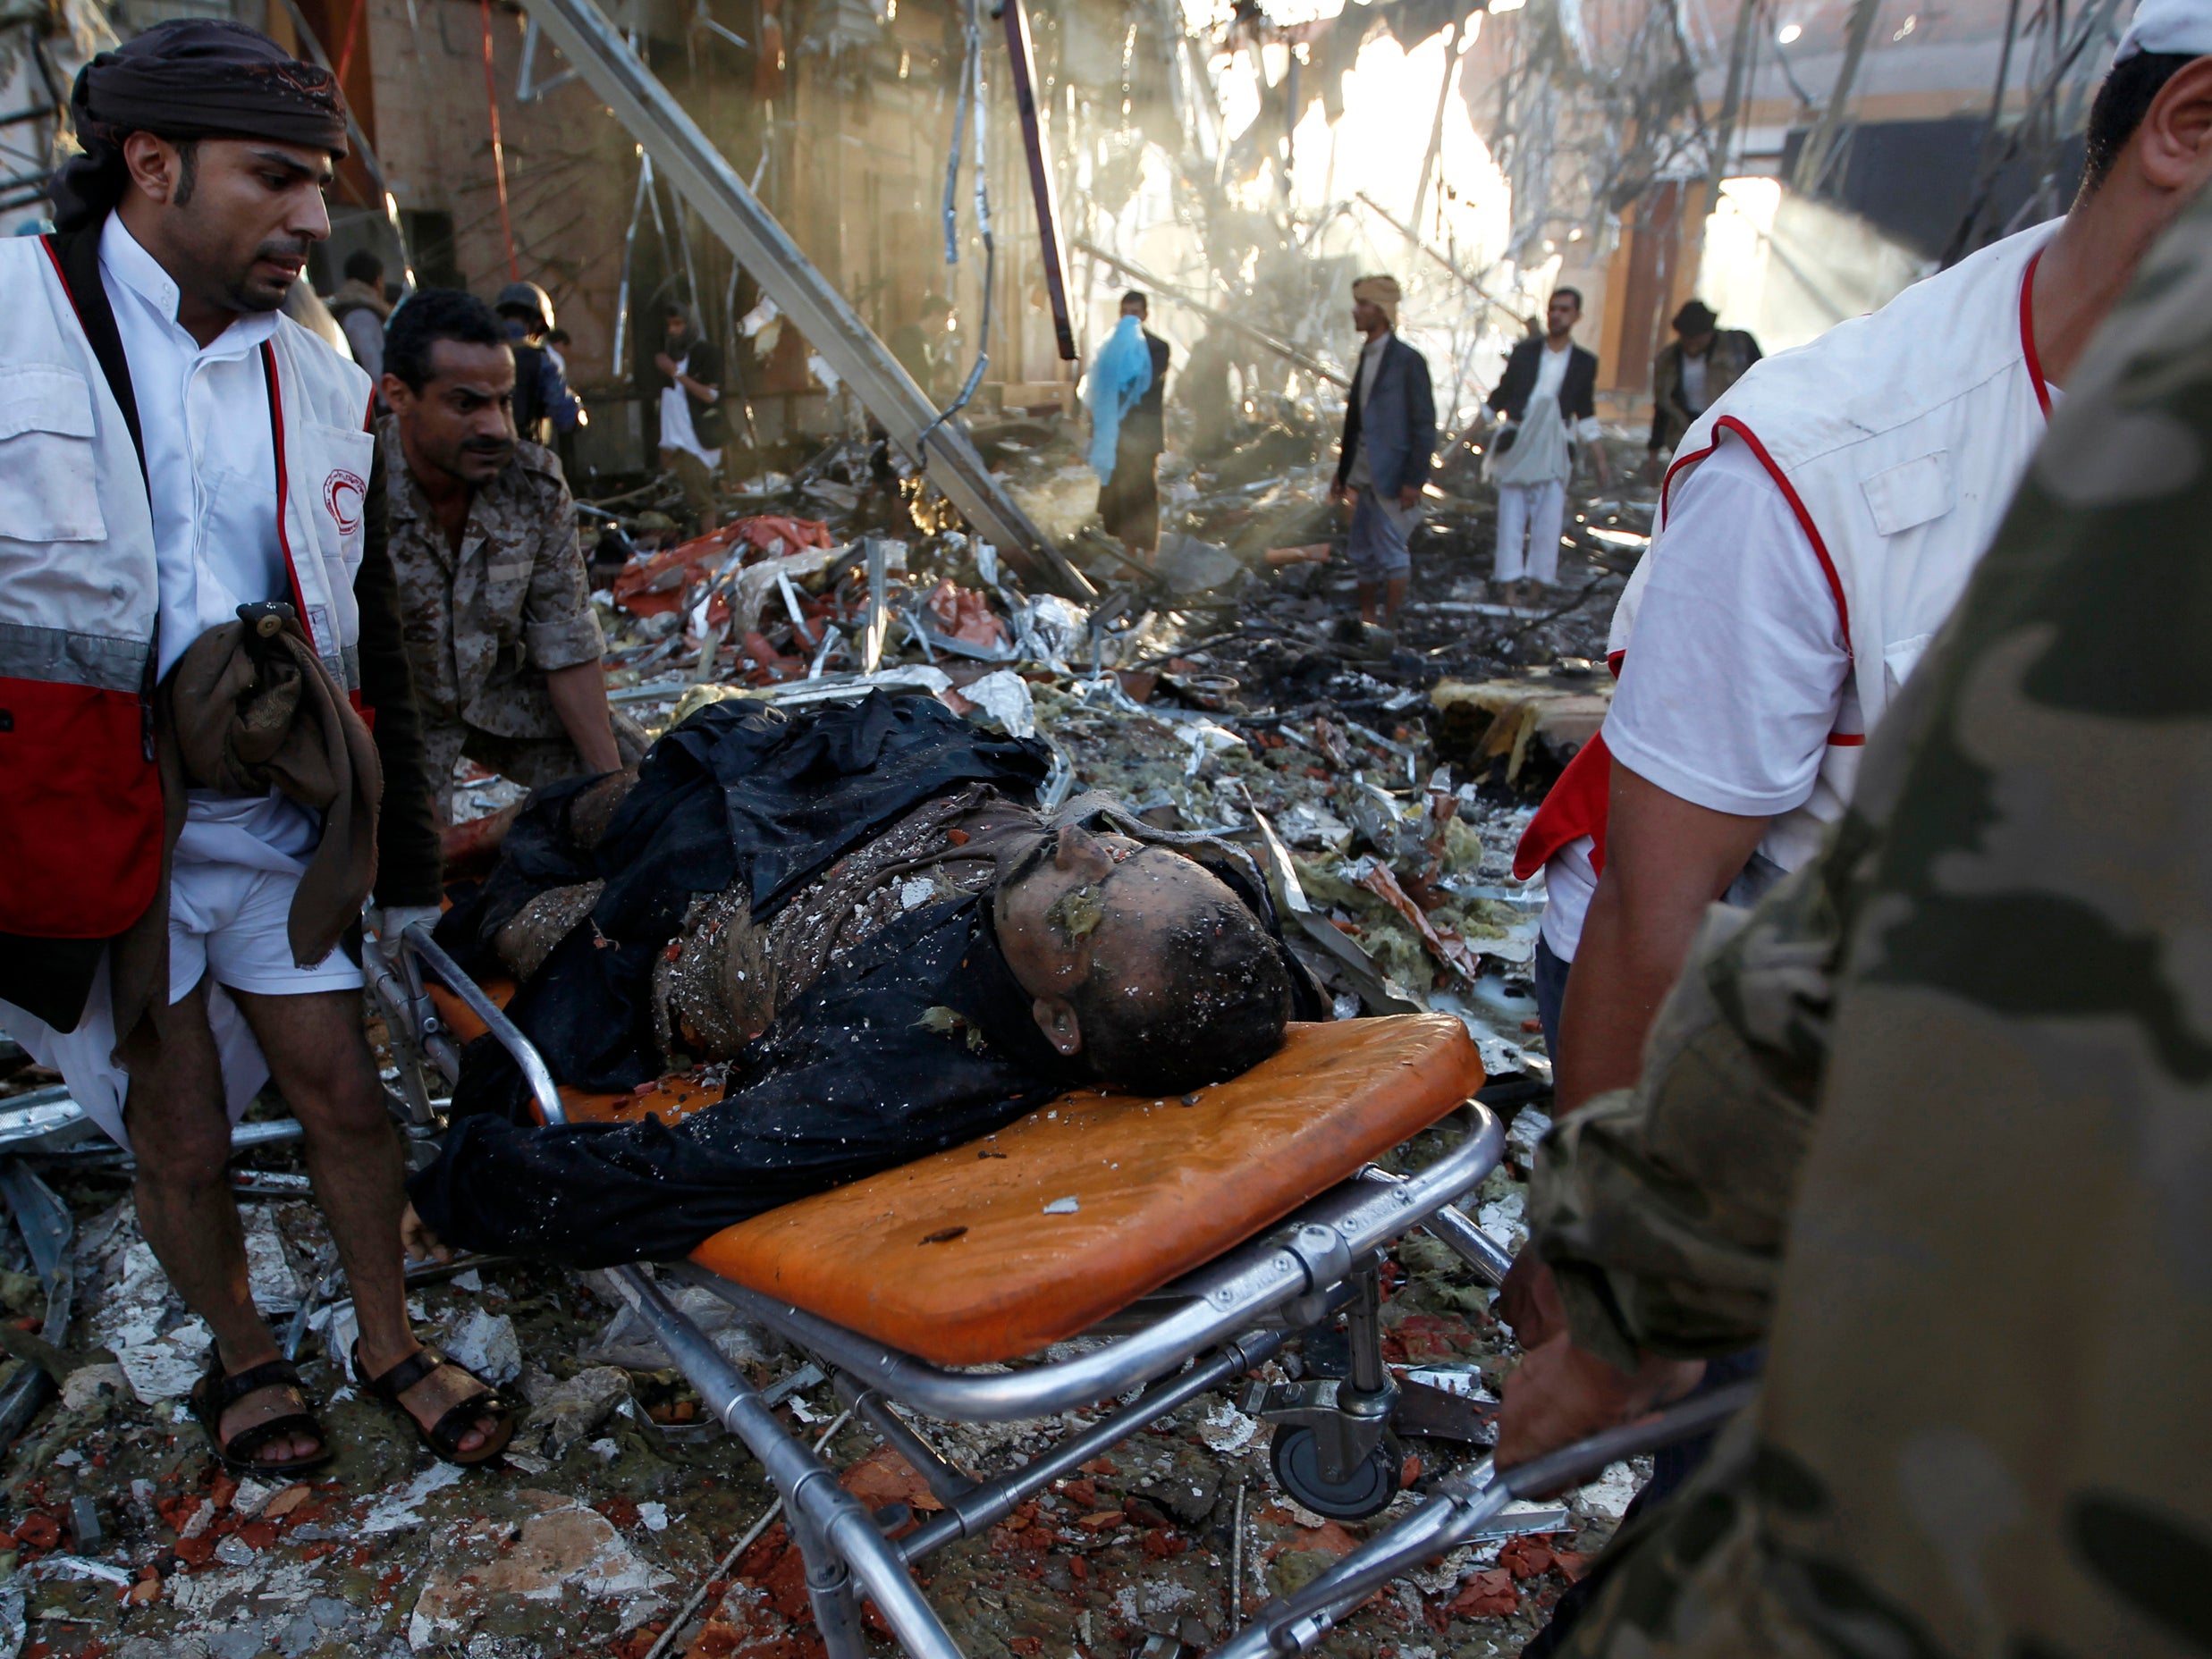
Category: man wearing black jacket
[200,453]
[1547,398]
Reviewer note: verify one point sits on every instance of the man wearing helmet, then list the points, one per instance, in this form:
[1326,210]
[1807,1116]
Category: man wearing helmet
[542,393]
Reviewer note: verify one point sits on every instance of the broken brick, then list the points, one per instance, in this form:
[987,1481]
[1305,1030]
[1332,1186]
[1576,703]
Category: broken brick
[1489,1594]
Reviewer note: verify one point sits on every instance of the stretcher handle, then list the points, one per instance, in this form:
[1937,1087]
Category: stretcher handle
[1290,1625]
[543,1088]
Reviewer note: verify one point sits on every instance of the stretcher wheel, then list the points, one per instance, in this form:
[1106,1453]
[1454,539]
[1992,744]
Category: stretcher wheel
[1367,1488]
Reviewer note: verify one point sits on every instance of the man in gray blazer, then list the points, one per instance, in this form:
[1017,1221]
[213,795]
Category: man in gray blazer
[1389,434]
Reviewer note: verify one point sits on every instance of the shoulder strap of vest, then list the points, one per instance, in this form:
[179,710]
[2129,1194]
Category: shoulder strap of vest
[76,257]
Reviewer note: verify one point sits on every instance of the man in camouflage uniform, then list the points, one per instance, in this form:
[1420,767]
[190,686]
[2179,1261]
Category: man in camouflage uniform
[500,631]
[1934,1123]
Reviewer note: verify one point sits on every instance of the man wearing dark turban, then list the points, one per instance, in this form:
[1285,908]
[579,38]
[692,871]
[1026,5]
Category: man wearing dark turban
[177,458]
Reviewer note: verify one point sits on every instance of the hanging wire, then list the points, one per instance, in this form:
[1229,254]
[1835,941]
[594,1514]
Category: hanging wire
[499,154]
[972,105]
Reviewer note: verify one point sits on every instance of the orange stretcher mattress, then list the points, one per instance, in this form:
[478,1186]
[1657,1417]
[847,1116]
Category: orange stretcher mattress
[974,1255]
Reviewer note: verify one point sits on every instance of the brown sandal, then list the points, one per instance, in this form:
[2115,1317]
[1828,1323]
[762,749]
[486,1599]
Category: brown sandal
[216,1392]
[443,1437]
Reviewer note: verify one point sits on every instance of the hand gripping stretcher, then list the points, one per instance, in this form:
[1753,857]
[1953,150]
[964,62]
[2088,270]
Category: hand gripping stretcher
[1203,1232]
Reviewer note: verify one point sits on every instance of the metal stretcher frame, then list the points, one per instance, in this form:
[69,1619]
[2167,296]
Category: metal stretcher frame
[1211,1327]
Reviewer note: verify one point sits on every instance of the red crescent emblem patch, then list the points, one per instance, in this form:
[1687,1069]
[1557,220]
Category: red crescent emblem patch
[343,494]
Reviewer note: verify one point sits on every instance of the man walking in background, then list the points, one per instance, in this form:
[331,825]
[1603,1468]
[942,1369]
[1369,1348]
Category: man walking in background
[1390,434]
[499,621]
[361,309]
[693,426]
[1129,501]
[1547,396]
[1691,372]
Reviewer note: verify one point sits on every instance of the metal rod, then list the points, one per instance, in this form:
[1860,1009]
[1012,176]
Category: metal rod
[543,1088]
[1236,1561]
[1451,1227]
[820,1508]
[993,1501]
[687,157]
[1022,56]
[746,1542]
[872,631]
[946,1483]
[1293,1624]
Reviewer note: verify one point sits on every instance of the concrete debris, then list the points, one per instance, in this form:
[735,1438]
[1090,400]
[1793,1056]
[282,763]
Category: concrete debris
[575,1411]
[85,1384]
[628,1341]
[564,1548]
[1607,1497]
[485,1343]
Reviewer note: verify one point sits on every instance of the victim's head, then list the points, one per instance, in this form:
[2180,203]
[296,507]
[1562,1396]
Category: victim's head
[1140,962]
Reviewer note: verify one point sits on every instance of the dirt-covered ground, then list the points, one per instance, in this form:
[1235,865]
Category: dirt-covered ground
[605,1529]
[616,1503]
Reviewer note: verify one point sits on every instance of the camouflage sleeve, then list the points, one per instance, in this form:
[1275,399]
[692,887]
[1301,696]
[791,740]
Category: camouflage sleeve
[1661,1209]
[558,624]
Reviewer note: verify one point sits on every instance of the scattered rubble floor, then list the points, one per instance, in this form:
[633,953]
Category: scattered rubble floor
[615,1504]
[610,1512]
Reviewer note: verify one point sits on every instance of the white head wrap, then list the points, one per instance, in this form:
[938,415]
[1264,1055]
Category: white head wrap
[2182,26]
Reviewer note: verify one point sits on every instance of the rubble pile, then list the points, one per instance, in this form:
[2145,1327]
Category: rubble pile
[1227,688]
[1224,685]
[617,1501]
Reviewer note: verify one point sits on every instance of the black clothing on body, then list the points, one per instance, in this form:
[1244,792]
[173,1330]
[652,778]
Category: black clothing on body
[862,1072]
[1143,429]
[1577,391]
[921,1039]
[740,793]
[702,361]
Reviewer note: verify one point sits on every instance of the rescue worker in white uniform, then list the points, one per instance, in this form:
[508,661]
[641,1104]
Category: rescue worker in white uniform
[172,449]
[1820,522]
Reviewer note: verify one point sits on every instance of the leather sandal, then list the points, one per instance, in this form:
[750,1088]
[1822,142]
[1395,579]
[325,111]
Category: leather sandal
[443,1437]
[216,1392]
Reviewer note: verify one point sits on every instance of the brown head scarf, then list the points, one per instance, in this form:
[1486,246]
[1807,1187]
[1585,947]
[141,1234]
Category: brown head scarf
[189,78]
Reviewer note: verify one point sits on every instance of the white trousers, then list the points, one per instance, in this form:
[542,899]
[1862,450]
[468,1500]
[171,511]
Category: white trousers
[1535,511]
[228,925]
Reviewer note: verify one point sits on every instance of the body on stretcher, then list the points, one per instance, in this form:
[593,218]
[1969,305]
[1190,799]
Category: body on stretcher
[1209,1227]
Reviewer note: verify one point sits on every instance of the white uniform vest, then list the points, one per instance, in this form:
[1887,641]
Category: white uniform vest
[1897,438]
[79,595]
